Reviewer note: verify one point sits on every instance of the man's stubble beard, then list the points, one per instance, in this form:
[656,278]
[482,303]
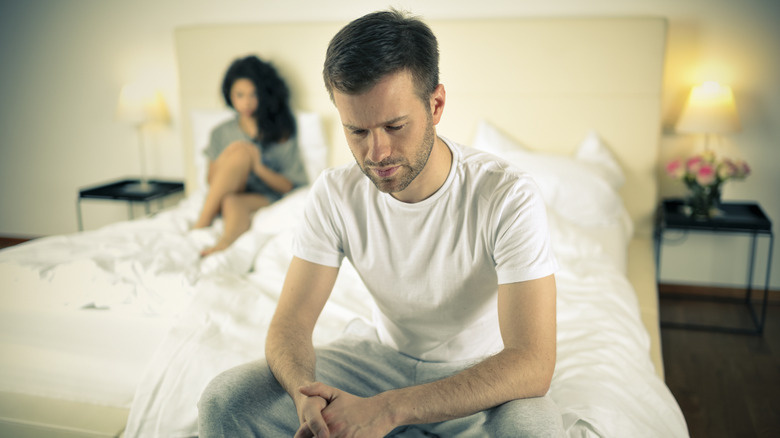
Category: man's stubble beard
[393,185]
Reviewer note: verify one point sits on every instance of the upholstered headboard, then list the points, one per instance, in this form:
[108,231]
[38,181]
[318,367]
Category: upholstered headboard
[546,82]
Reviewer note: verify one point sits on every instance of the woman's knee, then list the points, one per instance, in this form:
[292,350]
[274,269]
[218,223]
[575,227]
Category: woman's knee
[236,155]
[238,151]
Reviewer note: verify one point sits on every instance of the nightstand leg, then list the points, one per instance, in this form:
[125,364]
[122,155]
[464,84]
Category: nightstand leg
[765,298]
[659,235]
[751,267]
[78,213]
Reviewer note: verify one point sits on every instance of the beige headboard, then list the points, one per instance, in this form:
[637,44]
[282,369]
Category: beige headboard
[546,82]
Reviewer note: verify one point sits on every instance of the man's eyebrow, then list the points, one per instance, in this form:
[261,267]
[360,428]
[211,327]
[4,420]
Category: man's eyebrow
[385,123]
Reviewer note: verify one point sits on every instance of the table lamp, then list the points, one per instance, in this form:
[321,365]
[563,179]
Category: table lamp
[710,109]
[139,105]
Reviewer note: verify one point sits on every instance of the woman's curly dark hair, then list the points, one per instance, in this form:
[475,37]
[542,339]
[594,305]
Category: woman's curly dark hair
[275,120]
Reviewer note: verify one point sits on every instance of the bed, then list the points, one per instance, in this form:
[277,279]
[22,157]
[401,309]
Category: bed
[116,331]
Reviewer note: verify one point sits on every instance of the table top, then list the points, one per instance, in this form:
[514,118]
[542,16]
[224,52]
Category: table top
[733,216]
[130,189]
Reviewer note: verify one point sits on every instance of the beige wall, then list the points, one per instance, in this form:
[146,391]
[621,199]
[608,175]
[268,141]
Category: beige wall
[62,63]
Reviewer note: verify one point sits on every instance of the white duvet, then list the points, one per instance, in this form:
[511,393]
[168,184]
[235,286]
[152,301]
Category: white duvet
[211,315]
[81,315]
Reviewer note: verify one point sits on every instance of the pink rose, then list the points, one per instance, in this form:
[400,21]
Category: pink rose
[694,164]
[706,175]
[675,169]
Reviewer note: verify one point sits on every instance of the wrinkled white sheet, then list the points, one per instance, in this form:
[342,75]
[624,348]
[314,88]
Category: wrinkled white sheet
[604,382]
[134,302]
[82,314]
[148,266]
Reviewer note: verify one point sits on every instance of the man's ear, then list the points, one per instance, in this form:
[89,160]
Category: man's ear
[438,97]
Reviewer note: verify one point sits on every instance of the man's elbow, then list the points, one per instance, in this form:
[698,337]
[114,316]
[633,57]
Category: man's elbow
[537,385]
[545,375]
[535,377]
[541,386]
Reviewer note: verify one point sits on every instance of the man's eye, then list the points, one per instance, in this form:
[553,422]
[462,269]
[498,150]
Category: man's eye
[395,128]
[358,132]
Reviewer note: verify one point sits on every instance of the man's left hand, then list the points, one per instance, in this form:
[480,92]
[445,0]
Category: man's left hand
[348,415]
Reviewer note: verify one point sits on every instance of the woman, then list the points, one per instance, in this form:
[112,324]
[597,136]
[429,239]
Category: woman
[253,158]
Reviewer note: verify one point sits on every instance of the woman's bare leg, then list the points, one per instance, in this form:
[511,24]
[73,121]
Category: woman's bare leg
[237,211]
[227,175]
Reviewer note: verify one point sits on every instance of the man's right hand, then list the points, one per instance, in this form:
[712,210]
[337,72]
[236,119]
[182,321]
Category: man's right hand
[310,415]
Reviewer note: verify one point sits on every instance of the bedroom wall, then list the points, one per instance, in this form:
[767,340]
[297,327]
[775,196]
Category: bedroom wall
[64,61]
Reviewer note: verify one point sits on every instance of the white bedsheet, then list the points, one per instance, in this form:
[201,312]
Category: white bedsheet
[95,316]
[82,314]
[604,381]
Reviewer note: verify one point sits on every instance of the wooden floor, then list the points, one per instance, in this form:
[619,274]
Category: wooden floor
[5,241]
[727,385]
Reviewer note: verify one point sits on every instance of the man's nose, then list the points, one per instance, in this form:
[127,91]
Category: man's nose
[379,147]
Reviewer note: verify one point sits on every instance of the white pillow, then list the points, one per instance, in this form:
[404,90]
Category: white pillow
[582,188]
[311,139]
[573,242]
[593,150]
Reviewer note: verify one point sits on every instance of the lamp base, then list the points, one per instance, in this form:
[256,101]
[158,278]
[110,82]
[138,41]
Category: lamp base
[141,187]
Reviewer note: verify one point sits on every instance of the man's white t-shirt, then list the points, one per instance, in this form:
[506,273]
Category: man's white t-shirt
[433,267]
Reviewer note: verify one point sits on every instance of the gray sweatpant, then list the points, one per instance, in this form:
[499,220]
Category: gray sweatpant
[247,401]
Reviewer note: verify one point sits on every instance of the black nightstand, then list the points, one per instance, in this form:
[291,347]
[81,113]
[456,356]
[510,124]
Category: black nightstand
[130,191]
[735,218]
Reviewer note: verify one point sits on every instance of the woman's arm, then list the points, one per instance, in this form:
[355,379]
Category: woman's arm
[276,181]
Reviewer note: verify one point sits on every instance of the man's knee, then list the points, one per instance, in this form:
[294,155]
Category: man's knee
[220,395]
[530,417]
[238,391]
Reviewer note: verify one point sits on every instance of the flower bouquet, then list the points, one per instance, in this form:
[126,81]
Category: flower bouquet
[704,175]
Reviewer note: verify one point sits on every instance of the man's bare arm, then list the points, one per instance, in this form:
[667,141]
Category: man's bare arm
[522,369]
[289,349]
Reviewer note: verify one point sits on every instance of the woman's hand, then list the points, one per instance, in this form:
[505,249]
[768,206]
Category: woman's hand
[256,157]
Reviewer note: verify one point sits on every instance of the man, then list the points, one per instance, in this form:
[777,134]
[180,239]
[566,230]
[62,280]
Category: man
[453,246]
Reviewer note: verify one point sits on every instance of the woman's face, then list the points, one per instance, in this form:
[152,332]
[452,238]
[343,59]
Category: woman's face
[244,97]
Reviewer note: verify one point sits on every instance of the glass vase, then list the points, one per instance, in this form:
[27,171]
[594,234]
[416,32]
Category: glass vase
[703,201]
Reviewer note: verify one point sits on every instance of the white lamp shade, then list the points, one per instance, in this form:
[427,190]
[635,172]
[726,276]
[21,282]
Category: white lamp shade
[710,109]
[139,104]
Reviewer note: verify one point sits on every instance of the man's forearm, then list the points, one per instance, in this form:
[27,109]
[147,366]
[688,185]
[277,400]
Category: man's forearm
[289,349]
[290,355]
[507,376]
